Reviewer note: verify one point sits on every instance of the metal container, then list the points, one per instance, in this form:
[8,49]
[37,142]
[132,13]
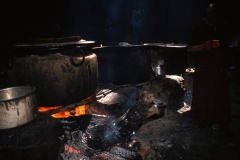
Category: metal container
[158,70]
[123,64]
[161,107]
[18,106]
[63,75]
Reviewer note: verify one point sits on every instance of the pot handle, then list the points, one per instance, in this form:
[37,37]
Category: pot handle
[77,50]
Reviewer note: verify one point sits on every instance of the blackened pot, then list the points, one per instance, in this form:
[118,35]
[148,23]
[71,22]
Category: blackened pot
[61,77]
[123,64]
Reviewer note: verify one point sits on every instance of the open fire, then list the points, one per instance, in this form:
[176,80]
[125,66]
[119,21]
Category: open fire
[77,111]
[71,149]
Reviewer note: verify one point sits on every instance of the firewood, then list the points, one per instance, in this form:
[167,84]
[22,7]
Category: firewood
[71,106]
[113,130]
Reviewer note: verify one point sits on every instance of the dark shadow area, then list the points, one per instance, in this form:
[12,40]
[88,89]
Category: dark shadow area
[108,22]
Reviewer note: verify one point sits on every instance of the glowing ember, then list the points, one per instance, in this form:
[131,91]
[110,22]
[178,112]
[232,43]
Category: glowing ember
[118,144]
[70,149]
[79,110]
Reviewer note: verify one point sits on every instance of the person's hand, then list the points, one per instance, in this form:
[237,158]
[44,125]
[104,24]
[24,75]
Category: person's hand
[200,47]
[207,45]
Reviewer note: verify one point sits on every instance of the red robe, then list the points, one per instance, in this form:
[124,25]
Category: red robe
[211,100]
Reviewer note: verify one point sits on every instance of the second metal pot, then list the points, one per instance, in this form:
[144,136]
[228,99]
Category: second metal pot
[158,70]
[18,106]
[123,64]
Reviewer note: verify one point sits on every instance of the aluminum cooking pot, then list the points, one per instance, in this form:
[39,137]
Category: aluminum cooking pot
[18,106]
[158,70]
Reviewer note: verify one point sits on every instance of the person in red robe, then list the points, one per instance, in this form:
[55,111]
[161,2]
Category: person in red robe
[211,99]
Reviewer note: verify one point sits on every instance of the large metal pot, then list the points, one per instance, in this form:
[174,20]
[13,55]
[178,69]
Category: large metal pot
[18,106]
[62,74]
[123,64]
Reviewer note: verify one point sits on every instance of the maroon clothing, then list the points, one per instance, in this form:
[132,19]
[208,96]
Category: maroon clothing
[211,100]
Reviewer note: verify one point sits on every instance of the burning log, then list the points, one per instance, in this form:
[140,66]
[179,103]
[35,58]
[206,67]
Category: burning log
[71,106]
[75,109]
[111,130]
[58,111]
[74,128]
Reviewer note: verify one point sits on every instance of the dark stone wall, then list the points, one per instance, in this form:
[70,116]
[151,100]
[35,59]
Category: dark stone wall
[108,21]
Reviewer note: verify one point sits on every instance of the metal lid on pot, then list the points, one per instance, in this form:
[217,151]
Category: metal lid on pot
[121,45]
[53,44]
[157,101]
[168,45]
[48,45]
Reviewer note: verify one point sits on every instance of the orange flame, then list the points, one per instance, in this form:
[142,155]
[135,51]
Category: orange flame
[77,111]
[44,109]
[71,149]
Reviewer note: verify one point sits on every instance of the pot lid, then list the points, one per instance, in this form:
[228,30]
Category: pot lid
[120,45]
[50,40]
[157,101]
[53,44]
[168,45]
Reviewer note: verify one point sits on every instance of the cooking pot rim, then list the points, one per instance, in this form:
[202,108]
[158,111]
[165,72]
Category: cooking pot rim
[119,46]
[167,45]
[32,90]
[52,45]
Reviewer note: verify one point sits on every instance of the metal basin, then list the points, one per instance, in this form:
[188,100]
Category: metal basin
[18,106]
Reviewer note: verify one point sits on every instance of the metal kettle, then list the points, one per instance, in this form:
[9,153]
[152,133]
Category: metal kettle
[158,70]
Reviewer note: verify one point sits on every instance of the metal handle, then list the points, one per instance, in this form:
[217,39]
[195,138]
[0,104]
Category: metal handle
[77,50]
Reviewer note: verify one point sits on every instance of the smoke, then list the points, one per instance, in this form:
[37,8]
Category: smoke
[113,10]
[138,20]
[126,20]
